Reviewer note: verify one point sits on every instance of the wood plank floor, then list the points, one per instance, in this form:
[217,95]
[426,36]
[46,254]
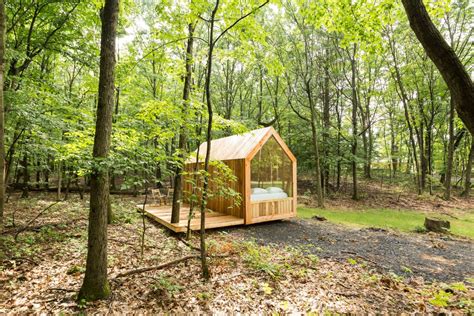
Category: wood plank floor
[162,214]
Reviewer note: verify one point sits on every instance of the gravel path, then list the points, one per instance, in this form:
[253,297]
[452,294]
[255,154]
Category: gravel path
[431,256]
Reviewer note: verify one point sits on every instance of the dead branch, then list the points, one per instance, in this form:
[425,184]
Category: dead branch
[38,227]
[164,265]
[34,219]
[62,289]
[158,267]
[189,244]
[348,294]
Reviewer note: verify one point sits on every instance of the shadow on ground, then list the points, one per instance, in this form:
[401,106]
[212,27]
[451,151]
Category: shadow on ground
[434,257]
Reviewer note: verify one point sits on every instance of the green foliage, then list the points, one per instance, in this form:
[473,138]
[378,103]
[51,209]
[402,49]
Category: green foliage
[260,258]
[76,270]
[204,296]
[441,298]
[266,288]
[407,270]
[458,286]
[124,213]
[352,261]
[166,285]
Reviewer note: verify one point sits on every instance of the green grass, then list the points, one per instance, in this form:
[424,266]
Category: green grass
[403,220]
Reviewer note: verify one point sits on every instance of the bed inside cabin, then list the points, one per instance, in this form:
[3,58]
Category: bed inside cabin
[271,173]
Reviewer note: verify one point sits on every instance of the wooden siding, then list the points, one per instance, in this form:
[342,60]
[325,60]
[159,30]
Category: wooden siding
[272,210]
[219,203]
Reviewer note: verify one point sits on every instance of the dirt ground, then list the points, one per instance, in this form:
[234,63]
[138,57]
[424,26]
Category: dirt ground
[432,256]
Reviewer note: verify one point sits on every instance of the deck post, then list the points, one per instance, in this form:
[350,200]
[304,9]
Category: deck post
[295,188]
[247,192]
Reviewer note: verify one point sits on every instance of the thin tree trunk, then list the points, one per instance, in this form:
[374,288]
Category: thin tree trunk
[207,89]
[178,187]
[326,126]
[96,285]
[393,147]
[68,184]
[60,178]
[467,181]
[355,194]
[38,173]
[46,172]
[428,155]
[338,149]
[317,166]
[26,177]
[449,162]
[2,117]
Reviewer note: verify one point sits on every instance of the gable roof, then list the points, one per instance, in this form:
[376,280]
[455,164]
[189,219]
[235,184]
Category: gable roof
[243,146]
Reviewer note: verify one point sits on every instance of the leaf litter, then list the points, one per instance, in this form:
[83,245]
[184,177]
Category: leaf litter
[43,271]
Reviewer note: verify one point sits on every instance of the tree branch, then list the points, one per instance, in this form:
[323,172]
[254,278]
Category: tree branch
[238,20]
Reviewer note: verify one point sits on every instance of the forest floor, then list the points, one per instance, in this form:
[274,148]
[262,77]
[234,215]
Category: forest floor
[376,194]
[42,270]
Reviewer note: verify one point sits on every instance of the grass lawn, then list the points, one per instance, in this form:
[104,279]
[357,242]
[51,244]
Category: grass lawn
[406,220]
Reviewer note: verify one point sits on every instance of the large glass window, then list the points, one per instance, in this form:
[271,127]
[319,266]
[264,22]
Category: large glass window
[272,168]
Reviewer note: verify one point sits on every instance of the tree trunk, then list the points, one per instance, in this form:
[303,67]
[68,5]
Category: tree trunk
[467,181]
[26,177]
[355,194]
[38,174]
[443,56]
[46,172]
[95,284]
[68,184]
[449,162]
[317,166]
[338,148]
[60,178]
[178,188]
[2,118]
[207,90]
[428,155]
[326,126]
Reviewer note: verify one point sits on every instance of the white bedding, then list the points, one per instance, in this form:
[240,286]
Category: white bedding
[268,196]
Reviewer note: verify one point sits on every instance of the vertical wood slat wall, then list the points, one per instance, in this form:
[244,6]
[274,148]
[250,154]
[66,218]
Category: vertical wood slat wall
[218,203]
[272,209]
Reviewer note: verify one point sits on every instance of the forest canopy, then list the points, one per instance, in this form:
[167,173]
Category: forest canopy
[346,78]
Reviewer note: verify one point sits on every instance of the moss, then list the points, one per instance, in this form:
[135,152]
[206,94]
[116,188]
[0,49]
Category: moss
[75,270]
[89,293]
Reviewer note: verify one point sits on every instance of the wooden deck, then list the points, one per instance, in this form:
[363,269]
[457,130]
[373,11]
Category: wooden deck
[162,214]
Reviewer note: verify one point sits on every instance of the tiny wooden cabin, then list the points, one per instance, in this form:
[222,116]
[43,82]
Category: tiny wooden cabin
[265,170]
